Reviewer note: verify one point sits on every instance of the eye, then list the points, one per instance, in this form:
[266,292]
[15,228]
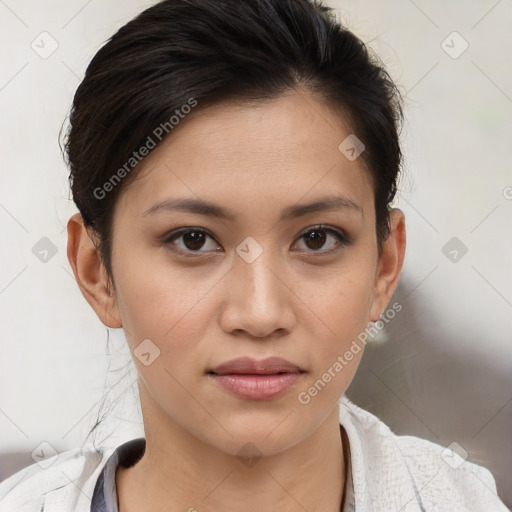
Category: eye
[317,237]
[190,240]
[320,239]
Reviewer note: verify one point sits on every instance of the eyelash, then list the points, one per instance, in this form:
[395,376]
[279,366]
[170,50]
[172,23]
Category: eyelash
[343,239]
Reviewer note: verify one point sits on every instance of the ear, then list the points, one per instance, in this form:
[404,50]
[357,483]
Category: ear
[390,264]
[90,272]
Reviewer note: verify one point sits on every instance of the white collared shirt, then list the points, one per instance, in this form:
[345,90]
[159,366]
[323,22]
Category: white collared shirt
[387,473]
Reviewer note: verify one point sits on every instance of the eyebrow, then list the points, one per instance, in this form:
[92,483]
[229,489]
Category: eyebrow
[201,207]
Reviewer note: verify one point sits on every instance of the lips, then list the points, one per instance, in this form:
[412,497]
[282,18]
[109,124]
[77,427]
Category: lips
[249,366]
[250,379]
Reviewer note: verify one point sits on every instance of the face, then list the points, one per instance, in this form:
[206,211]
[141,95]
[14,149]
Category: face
[257,275]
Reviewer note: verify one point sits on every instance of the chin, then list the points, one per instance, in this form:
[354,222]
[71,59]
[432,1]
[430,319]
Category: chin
[264,436]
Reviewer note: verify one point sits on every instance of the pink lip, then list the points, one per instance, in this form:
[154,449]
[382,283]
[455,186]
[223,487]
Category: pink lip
[257,387]
[247,365]
[257,380]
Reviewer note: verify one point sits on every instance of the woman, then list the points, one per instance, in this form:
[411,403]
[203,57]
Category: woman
[234,164]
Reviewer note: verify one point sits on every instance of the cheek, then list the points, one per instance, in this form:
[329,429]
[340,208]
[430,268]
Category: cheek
[342,308]
[349,310]
[163,303]
[342,297]
[171,310]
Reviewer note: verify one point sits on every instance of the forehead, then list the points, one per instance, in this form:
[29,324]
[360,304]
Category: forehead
[271,152]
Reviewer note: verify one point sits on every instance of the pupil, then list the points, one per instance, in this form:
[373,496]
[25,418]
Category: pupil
[194,240]
[318,239]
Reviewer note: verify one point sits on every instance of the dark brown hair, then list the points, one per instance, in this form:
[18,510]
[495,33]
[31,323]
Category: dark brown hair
[210,51]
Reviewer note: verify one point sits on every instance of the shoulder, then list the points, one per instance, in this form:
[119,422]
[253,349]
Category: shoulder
[65,480]
[412,473]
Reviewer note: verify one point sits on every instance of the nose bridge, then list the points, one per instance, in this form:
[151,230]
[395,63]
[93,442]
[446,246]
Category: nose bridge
[253,272]
[257,299]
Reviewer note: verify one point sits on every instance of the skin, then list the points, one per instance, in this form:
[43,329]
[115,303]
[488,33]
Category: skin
[294,301]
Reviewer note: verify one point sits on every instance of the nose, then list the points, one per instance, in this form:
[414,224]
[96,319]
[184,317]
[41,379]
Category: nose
[258,300]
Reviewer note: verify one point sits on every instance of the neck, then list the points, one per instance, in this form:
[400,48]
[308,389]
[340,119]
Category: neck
[179,472]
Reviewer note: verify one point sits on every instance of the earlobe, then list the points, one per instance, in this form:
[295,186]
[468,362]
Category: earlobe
[90,273]
[390,264]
